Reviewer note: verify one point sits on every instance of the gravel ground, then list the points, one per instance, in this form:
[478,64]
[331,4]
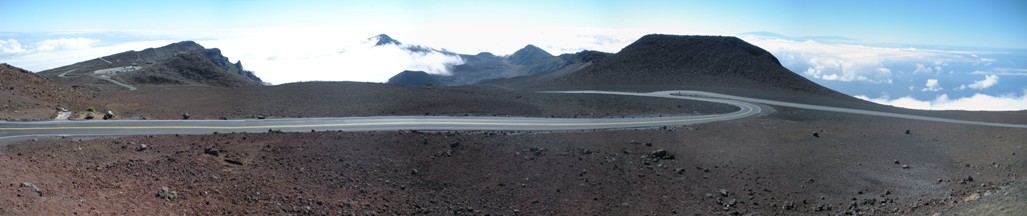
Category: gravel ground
[765,165]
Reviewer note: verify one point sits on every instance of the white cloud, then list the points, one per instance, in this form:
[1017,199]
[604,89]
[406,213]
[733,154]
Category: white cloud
[339,56]
[921,69]
[856,62]
[977,102]
[10,46]
[66,43]
[1003,71]
[932,85]
[987,82]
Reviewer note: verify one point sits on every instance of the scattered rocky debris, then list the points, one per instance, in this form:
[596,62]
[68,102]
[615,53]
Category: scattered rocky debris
[33,187]
[166,193]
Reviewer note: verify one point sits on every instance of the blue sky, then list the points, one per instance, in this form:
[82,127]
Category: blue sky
[940,54]
[997,24]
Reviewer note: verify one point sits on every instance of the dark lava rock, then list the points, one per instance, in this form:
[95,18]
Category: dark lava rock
[212,151]
[968,179]
[234,162]
[661,154]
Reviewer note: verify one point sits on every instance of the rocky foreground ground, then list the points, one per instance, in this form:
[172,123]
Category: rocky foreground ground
[766,166]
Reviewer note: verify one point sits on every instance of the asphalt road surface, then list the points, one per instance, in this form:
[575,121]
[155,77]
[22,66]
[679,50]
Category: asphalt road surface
[21,130]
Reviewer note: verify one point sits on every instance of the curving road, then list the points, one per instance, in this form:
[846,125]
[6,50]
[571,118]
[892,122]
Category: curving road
[12,130]
[16,130]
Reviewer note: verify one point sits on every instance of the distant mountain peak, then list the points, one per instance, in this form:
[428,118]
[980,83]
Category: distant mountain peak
[532,48]
[530,52]
[384,39]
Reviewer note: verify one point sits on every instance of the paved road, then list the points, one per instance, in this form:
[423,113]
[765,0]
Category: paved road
[845,110]
[15,130]
[103,77]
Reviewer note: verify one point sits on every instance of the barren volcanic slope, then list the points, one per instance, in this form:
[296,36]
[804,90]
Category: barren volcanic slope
[182,63]
[29,96]
[413,78]
[698,61]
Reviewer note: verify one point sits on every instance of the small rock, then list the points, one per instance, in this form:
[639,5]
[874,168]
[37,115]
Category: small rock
[904,166]
[212,151]
[968,179]
[907,131]
[414,172]
[788,205]
[236,162]
[185,116]
[820,207]
[972,197]
[897,162]
[141,147]
[815,134]
[680,170]
[724,192]
[661,154]
[34,188]
[167,193]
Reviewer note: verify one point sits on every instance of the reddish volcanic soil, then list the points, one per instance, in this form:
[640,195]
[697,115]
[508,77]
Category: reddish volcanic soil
[765,165]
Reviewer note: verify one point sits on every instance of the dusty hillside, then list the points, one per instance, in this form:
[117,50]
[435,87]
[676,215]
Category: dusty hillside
[342,99]
[26,95]
[413,78]
[693,61]
[181,63]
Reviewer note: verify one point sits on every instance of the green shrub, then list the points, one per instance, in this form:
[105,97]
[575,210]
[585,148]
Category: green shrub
[91,109]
